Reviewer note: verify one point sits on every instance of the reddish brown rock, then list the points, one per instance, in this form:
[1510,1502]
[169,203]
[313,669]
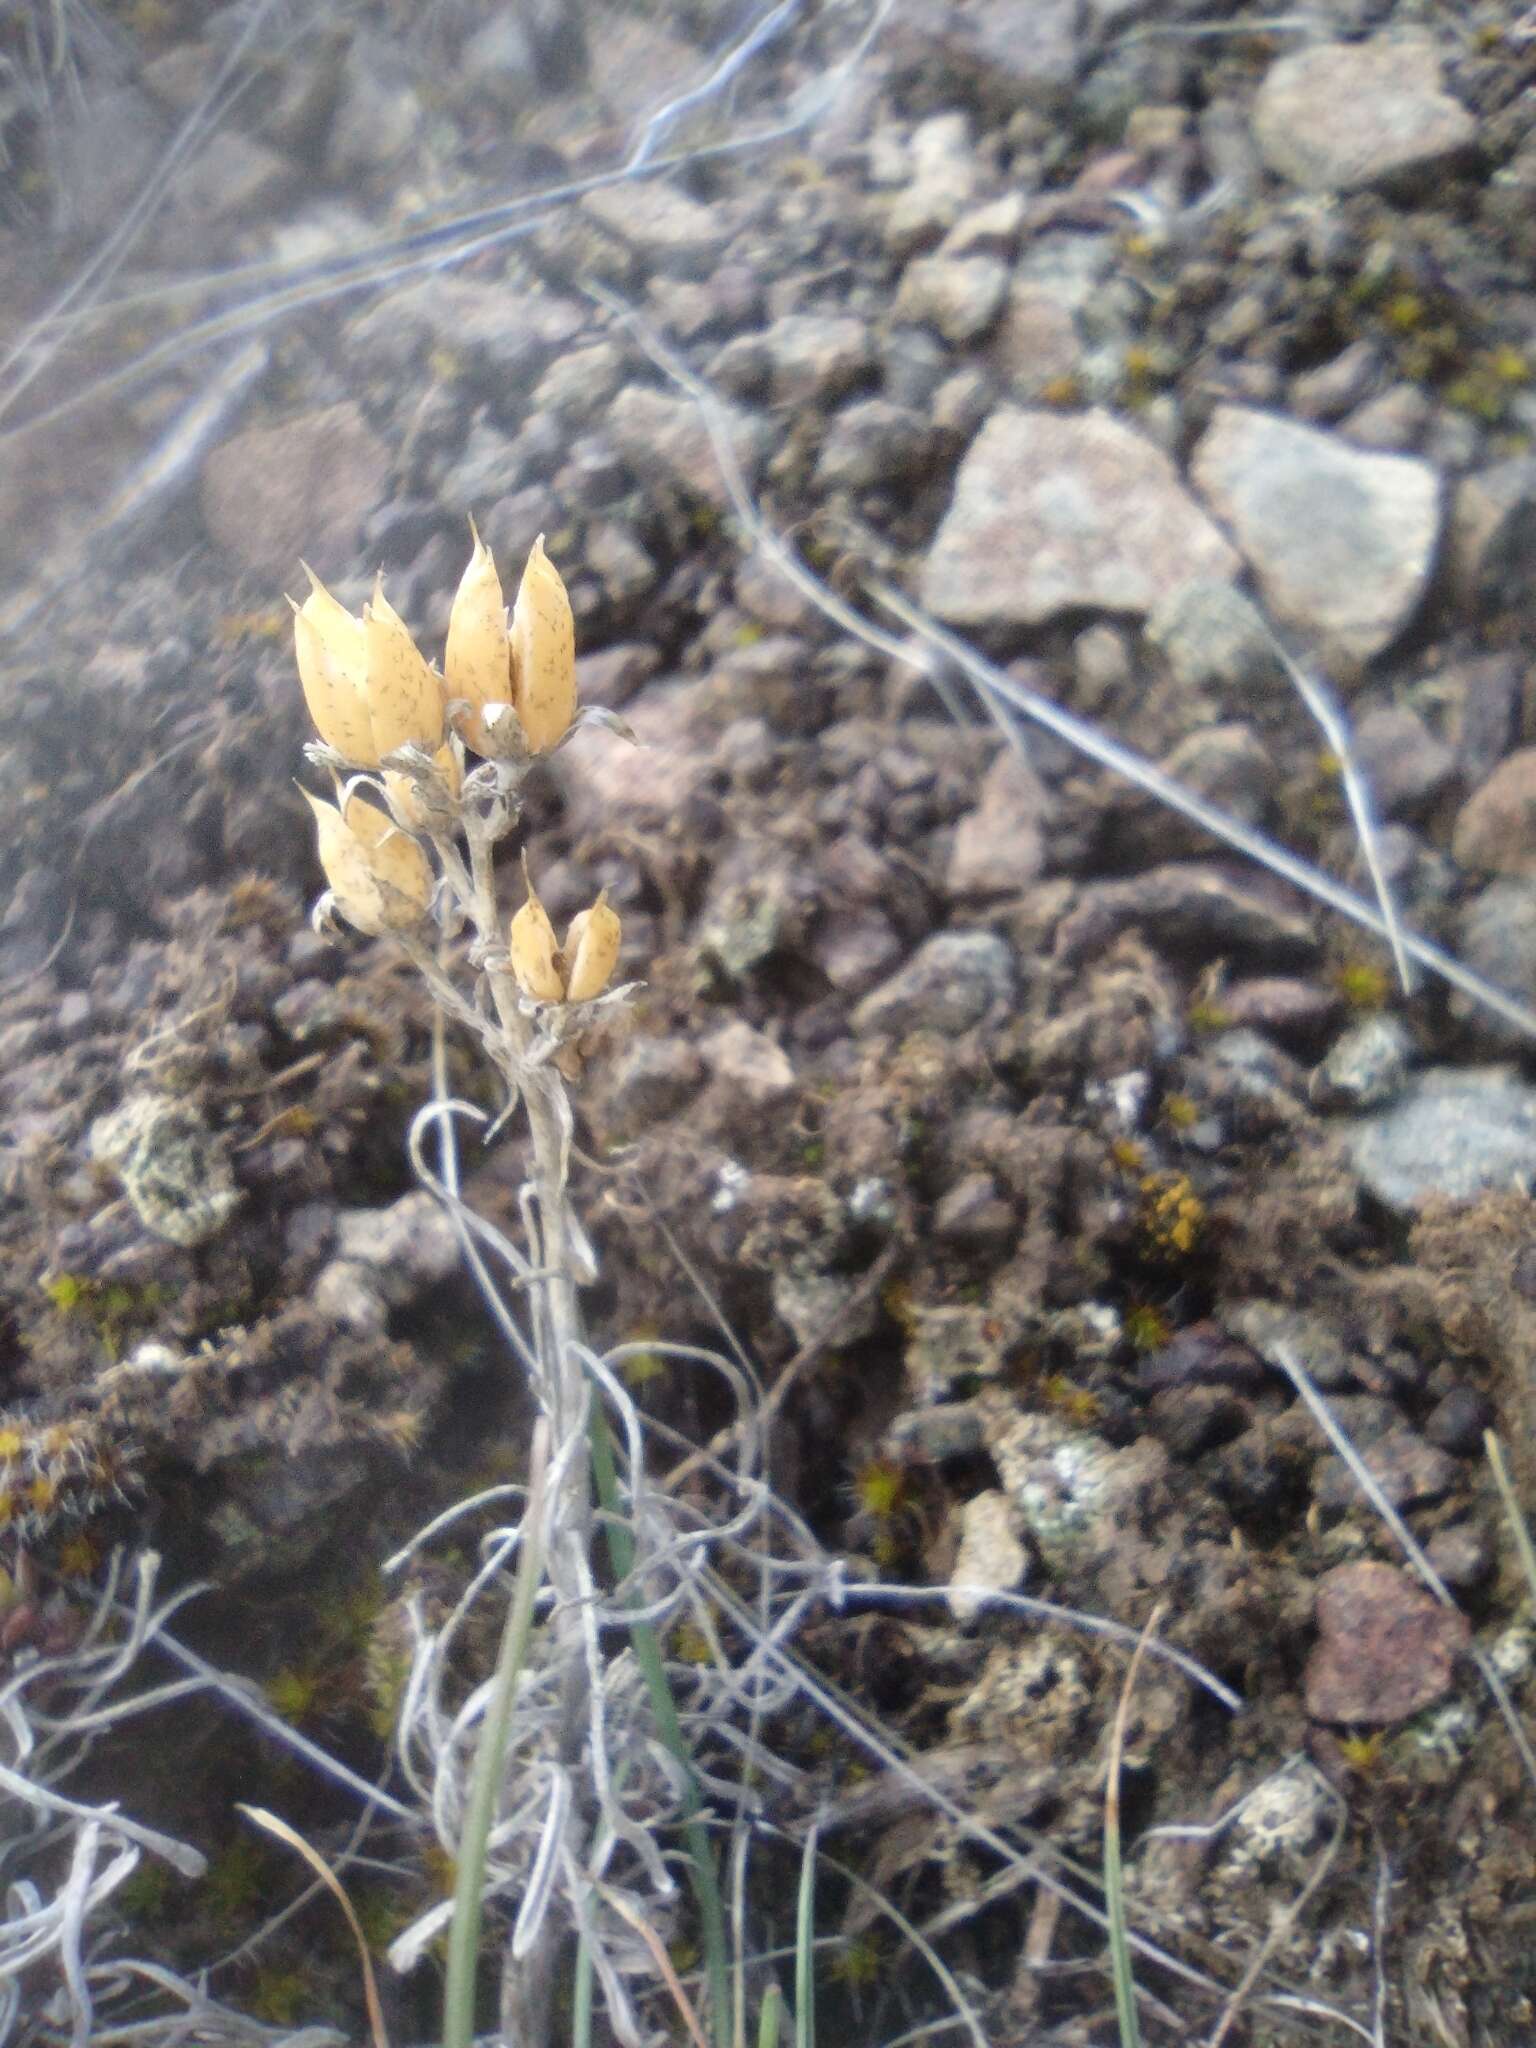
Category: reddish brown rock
[1385,1647]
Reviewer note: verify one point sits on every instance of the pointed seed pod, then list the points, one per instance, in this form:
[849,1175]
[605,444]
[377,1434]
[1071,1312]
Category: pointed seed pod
[531,943]
[333,668]
[345,861]
[405,699]
[397,864]
[591,951]
[477,660]
[543,652]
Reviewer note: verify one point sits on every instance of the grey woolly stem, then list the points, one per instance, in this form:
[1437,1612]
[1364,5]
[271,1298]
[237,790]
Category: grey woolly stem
[530,1985]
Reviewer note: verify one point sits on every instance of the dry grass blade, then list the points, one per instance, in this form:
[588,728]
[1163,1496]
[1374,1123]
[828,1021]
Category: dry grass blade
[662,1960]
[333,1884]
[1114,1876]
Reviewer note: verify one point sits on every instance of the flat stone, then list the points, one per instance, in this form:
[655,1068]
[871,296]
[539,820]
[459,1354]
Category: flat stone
[1496,938]
[656,431]
[1187,907]
[1403,1465]
[756,1070]
[1036,343]
[1056,513]
[1342,541]
[1457,1132]
[999,846]
[1493,533]
[1403,763]
[1386,1648]
[267,493]
[1340,116]
[949,984]
[958,296]
[870,444]
[1210,635]
[661,223]
[814,358]
[1496,828]
[989,1557]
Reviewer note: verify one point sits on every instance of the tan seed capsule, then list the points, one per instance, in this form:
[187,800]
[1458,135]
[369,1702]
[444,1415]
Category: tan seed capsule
[333,668]
[405,699]
[591,951]
[543,652]
[348,870]
[397,863]
[535,963]
[477,658]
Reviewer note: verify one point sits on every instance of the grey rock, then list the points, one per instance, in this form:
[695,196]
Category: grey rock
[949,984]
[1455,1132]
[873,443]
[1192,908]
[1054,513]
[1496,827]
[1340,116]
[623,568]
[657,431]
[1404,764]
[661,223]
[409,1246]
[999,847]
[814,358]
[652,1079]
[579,382]
[1366,1068]
[1342,541]
[989,1557]
[1334,387]
[612,675]
[959,296]
[1496,937]
[1394,421]
[266,493]
[1493,533]
[1403,1465]
[1295,1336]
[942,180]
[377,117]
[1036,343]
[755,1070]
[1212,636]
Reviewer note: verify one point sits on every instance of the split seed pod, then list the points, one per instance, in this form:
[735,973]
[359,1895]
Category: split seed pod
[347,869]
[333,668]
[405,699]
[535,958]
[402,789]
[477,661]
[543,652]
[378,875]
[591,951]
[366,684]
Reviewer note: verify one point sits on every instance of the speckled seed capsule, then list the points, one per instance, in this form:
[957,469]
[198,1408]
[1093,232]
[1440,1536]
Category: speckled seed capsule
[591,951]
[397,864]
[333,668]
[345,860]
[477,658]
[531,943]
[405,699]
[543,653]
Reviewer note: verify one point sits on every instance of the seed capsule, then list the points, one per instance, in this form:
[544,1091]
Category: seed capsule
[347,869]
[397,864]
[543,652]
[591,951]
[477,658]
[333,668]
[535,961]
[404,698]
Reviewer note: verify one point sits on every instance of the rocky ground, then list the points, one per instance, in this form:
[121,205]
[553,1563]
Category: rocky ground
[1037,1135]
